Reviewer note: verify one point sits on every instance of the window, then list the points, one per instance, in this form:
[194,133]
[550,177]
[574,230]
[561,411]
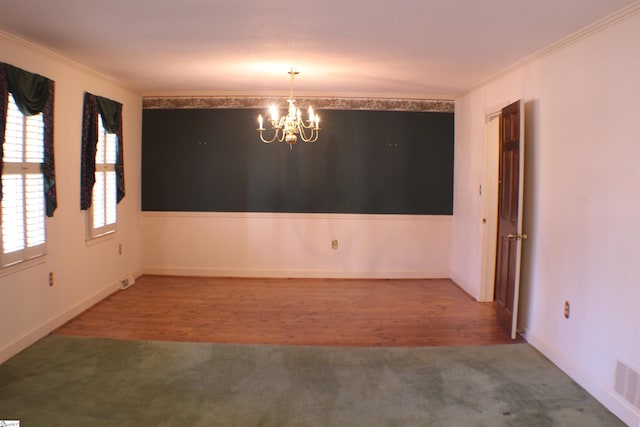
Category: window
[101,165]
[23,201]
[103,213]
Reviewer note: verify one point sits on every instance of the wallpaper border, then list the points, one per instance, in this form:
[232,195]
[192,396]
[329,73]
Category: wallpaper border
[319,103]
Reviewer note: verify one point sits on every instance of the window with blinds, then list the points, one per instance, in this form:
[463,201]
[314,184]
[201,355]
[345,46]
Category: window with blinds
[103,213]
[22,206]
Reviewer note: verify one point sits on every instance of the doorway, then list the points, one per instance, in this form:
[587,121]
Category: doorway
[489,193]
[503,213]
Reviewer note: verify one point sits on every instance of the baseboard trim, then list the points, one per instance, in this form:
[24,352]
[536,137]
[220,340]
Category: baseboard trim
[605,395]
[43,330]
[462,284]
[214,272]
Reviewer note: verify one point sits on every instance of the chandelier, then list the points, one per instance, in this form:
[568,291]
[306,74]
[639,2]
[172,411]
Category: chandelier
[287,128]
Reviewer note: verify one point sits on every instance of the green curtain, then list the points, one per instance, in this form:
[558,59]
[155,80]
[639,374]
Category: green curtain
[4,98]
[33,94]
[110,112]
[88,149]
[30,91]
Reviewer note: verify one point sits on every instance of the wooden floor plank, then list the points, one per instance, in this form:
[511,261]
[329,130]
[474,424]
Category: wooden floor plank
[333,312]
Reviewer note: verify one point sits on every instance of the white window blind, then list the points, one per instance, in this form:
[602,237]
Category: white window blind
[22,206]
[104,212]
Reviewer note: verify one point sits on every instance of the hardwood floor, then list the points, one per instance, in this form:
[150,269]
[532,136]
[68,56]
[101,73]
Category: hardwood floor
[332,312]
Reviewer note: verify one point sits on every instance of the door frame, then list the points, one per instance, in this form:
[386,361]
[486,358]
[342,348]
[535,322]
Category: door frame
[489,206]
[489,193]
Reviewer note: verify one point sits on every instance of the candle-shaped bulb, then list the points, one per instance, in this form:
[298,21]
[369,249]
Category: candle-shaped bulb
[274,113]
[310,113]
[259,121]
[299,114]
[317,120]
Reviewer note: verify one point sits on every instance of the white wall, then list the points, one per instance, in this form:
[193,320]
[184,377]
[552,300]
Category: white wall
[83,274]
[296,245]
[582,202]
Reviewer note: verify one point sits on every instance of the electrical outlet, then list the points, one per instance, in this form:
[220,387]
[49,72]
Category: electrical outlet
[334,244]
[566,309]
[51,278]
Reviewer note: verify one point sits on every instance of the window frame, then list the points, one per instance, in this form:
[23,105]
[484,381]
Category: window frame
[107,168]
[24,168]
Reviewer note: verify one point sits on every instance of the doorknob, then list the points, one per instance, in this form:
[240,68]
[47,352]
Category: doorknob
[517,236]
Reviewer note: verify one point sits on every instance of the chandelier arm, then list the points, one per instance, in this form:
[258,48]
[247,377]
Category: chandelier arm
[311,124]
[268,141]
[282,136]
[303,134]
[313,136]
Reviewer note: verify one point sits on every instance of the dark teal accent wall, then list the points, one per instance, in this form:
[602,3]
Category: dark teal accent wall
[365,162]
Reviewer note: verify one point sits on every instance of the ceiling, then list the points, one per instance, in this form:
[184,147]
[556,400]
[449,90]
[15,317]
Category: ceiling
[431,49]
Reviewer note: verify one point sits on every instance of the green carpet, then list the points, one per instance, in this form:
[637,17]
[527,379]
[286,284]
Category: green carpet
[71,381]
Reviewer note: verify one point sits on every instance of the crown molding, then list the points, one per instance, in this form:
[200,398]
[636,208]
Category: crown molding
[585,32]
[62,59]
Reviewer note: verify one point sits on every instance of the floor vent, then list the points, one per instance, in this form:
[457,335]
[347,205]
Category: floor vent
[627,384]
[127,281]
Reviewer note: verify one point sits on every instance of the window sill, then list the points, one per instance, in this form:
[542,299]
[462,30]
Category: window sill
[109,235]
[22,265]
